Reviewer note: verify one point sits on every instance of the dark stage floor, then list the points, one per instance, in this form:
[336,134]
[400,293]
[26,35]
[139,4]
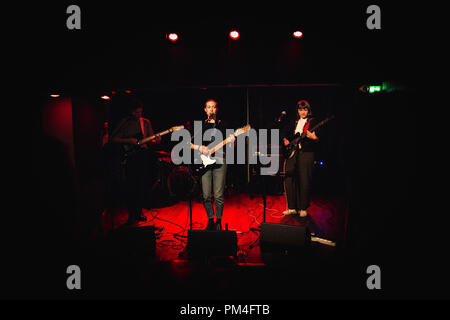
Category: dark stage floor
[114,268]
[118,271]
[242,213]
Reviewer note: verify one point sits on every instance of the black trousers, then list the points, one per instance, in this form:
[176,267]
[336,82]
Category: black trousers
[298,180]
[136,175]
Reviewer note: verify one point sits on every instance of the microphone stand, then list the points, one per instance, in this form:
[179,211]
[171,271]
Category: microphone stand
[190,210]
[276,124]
[264,197]
[190,195]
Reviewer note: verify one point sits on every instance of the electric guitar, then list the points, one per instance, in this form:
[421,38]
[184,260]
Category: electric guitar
[129,149]
[207,161]
[291,148]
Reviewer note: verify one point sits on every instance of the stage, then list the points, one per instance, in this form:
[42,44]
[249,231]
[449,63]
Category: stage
[367,204]
[243,213]
[117,270]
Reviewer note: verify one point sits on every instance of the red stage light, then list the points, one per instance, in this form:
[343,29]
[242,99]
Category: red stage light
[173,37]
[234,34]
[105,97]
[298,34]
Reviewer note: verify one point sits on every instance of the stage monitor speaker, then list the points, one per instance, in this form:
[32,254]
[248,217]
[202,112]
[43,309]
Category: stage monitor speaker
[283,238]
[206,243]
[137,240]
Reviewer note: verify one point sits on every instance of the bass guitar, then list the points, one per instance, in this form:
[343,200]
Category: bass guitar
[207,161]
[129,150]
[296,143]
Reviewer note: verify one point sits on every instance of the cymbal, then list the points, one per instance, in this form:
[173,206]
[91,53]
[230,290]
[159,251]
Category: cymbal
[163,153]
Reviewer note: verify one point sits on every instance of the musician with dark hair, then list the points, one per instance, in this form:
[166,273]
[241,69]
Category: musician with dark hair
[213,179]
[299,163]
[134,162]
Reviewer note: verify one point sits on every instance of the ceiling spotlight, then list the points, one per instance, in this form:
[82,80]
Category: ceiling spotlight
[234,34]
[105,97]
[54,95]
[172,37]
[298,34]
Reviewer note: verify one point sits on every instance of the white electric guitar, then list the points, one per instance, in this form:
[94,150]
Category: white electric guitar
[207,160]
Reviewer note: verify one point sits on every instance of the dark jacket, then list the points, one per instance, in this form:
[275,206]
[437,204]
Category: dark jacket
[287,131]
[220,126]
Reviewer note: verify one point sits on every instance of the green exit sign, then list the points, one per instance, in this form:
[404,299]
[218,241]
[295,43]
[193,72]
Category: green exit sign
[372,89]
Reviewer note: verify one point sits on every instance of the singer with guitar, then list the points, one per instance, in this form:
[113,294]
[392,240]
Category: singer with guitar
[135,167]
[299,159]
[213,178]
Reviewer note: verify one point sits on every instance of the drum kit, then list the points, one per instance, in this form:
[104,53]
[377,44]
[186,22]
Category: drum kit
[173,182]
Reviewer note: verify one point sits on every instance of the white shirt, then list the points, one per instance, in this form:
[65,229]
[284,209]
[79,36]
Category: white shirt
[300,124]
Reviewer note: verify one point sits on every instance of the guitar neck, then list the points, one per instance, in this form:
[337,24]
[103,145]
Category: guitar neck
[303,135]
[145,140]
[224,142]
[219,146]
[321,123]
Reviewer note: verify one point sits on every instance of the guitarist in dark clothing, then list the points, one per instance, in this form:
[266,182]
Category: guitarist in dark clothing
[134,165]
[299,163]
[213,179]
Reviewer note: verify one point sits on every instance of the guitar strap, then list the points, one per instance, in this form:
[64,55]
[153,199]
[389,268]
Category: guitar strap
[305,128]
[141,120]
[214,131]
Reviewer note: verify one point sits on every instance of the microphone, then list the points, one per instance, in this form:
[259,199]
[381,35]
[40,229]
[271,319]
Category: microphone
[281,116]
[211,116]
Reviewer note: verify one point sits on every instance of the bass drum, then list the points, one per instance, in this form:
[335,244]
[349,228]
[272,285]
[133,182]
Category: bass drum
[182,183]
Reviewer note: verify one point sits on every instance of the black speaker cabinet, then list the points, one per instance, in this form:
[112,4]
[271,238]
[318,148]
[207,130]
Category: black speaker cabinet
[206,243]
[283,238]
